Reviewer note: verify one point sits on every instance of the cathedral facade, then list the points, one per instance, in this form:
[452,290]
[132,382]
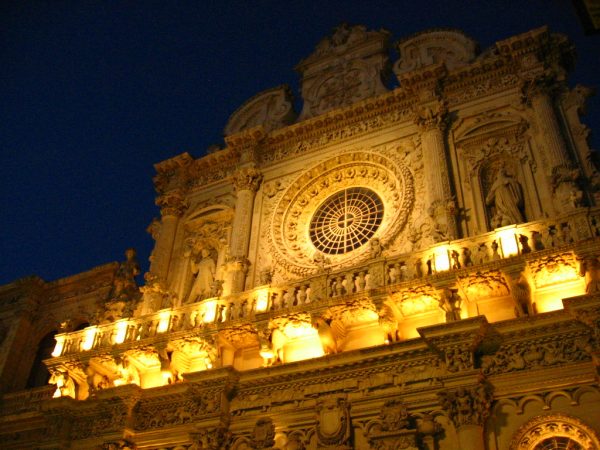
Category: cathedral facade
[406,267]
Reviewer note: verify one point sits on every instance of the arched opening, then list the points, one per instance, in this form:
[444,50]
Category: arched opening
[39,375]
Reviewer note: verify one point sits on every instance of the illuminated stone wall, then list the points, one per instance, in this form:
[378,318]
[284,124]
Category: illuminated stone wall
[409,268]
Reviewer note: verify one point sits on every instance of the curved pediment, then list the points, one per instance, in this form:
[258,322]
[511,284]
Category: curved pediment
[272,109]
[450,47]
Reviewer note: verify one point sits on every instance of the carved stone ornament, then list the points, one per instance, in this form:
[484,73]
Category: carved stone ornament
[171,204]
[272,109]
[554,269]
[247,179]
[333,426]
[121,444]
[467,405]
[537,354]
[290,245]
[263,434]
[210,438]
[555,431]
[452,47]
[394,429]
[345,68]
[431,116]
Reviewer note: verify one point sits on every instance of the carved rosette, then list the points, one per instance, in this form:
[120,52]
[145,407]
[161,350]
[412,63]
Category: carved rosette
[171,204]
[467,405]
[289,242]
[247,179]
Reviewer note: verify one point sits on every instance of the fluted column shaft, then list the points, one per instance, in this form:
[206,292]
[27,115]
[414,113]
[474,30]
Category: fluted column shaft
[246,182]
[432,124]
[550,130]
[172,208]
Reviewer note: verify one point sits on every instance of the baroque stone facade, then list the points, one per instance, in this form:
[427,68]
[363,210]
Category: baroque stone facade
[406,268]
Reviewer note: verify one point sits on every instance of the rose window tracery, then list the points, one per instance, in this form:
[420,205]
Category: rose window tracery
[346,220]
[329,213]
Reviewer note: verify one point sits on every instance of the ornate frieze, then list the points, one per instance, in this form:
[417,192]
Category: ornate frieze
[536,354]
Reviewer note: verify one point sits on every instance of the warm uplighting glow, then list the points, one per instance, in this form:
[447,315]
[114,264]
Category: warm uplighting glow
[120,331]
[210,311]
[441,260]
[306,347]
[262,300]
[266,352]
[508,241]
[118,382]
[88,338]
[163,324]
[60,345]
[550,299]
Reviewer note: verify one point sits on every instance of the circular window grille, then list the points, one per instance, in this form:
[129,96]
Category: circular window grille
[558,443]
[346,220]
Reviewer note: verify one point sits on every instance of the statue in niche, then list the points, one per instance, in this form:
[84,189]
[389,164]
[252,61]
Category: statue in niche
[506,197]
[204,267]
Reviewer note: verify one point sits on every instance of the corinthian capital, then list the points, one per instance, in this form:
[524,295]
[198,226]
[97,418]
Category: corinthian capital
[545,84]
[171,204]
[467,405]
[247,179]
[431,116]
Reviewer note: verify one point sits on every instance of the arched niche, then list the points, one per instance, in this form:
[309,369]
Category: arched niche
[39,374]
[481,144]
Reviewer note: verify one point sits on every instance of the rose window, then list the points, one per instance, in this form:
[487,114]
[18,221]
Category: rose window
[346,220]
[558,443]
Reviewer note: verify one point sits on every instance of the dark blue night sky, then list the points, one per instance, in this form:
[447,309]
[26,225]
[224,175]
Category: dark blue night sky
[94,93]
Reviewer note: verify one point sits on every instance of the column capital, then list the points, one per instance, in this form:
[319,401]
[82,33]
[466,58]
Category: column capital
[172,204]
[542,85]
[247,179]
[431,116]
[467,405]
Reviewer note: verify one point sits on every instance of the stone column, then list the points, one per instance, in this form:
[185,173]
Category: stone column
[468,408]
[246,182]
[431,120]
[172,207]
[559,167]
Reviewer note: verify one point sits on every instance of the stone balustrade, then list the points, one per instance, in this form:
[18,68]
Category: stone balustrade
[496,248]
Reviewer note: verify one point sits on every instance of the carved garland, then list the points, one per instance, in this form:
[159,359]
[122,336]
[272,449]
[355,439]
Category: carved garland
[289,240]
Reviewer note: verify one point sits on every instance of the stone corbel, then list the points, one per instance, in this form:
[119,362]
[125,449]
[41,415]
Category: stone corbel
[457,342]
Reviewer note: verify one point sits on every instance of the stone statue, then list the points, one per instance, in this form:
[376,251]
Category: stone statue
[124,283]
[590,269]
[506,196]
[204,268]
[375,248]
